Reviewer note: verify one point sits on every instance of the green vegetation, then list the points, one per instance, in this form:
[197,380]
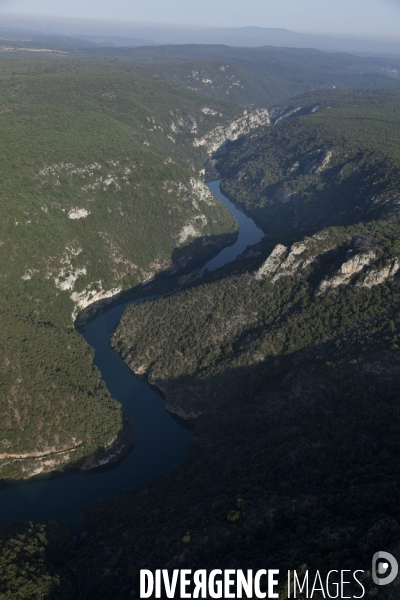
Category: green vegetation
[189,341]
[291,364]
[95,198]
[33,561]
[336,166]
[260,77]
[289,361]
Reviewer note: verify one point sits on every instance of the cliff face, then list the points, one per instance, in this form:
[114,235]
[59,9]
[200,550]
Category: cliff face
[77,455]
[359,268]
[215,139]
[326,165]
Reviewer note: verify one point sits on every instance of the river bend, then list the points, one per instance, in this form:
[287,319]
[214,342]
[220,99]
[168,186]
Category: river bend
[161,443]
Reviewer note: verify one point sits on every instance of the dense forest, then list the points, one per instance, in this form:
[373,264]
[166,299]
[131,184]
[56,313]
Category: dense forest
[335,166]
[100,191]
[285,362]
[288,361]
[262,77]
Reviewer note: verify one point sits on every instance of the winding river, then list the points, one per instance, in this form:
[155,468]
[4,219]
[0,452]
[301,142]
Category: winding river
[161,443]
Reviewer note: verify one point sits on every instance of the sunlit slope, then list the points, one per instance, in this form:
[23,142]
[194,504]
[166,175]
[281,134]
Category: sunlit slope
[91,152]
[225,79]
[100,190]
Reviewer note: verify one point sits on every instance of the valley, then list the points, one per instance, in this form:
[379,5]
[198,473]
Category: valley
[160,442]
[285,357]
[282,358]
[82,188]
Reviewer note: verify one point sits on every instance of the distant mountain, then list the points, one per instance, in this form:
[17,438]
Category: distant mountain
[131,34]
[23,36]
[116,42]
[260,36]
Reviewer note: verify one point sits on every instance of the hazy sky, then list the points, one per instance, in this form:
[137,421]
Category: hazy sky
[366,18]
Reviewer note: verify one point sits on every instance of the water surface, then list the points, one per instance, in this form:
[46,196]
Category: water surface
[161,443]
[249,233]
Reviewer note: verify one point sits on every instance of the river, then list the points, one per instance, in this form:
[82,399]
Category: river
[161,443]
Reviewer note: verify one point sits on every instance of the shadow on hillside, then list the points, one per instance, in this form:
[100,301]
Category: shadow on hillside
[292,464]
[331,200]
[188,262]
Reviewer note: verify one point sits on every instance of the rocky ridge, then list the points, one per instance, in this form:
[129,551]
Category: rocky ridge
[287,262]
[216,138]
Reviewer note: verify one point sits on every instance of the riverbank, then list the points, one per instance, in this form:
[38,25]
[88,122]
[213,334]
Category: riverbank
[161,442]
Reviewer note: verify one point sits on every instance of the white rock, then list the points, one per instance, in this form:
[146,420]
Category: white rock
[187,232]
[293,263]
[215,138]
[88,296]
[201,191]
[273,262]
[347,270]
[375,276]
[191,229]
[78,213]
[325,162]
[209,111]
[69,278]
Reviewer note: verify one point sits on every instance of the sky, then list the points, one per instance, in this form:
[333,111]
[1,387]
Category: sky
[369,19]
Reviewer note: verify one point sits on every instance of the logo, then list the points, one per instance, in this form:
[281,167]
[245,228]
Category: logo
[384,568]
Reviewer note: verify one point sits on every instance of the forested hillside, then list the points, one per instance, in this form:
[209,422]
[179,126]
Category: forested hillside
[261,77]
[285,363]
[100,191]
[288,363]
[336,166]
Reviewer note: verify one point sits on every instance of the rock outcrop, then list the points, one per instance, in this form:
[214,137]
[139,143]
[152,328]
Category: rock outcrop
[283,262]
[301,254]
[273,262]
[218,136]
[377,276]
[348,269]
[90,296]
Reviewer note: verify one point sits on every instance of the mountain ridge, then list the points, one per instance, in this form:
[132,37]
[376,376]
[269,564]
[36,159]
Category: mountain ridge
[252,36]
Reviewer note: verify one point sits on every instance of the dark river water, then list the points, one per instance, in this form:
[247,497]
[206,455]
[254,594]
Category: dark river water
[161,443]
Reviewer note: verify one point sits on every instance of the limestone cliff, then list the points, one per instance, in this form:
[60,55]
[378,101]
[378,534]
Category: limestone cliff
[213,140]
